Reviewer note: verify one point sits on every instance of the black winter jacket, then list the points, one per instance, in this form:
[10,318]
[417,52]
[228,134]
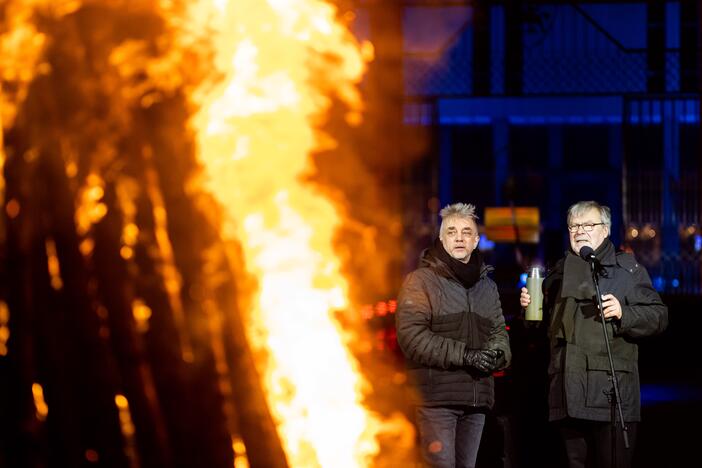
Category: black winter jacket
[437,319]
[579,367]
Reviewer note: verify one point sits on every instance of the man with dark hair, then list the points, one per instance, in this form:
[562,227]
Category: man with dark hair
[451,329]
[579,371]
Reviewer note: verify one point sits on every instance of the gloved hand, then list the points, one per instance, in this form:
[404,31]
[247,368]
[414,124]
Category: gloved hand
[485,360]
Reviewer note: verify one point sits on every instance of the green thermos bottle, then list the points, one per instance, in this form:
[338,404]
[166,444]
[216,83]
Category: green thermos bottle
[535,309]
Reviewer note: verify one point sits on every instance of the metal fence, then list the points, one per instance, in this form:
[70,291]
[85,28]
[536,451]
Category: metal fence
[565,50]
[661,189]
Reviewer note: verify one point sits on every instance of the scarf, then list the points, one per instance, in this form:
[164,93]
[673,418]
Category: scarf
[466,273]
[577,275]
[577,289]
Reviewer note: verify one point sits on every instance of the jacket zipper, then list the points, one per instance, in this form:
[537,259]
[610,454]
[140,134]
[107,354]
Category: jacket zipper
[470,342]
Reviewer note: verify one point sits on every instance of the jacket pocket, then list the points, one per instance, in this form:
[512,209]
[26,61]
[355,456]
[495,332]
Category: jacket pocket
[599,381]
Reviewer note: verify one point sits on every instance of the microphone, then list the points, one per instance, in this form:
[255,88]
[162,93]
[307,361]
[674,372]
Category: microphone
[587,254]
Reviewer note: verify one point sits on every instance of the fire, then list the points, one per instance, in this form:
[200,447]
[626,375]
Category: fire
[21,45]
[256,130]
[279,66]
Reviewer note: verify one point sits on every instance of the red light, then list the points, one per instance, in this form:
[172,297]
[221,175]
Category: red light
[381,309]
[392,306]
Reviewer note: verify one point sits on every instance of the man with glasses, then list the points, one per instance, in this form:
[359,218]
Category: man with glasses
[579,383]
[451,329]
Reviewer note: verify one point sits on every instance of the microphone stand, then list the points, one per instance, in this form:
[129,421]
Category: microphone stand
[612,396]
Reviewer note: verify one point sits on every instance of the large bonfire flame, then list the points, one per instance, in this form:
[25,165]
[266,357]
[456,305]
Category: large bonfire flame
[256,132]
[279,66]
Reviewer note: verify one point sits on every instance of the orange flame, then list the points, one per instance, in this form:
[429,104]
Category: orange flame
[21,46]
[256,130]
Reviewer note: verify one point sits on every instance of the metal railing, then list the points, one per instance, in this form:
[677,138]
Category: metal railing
[565,51]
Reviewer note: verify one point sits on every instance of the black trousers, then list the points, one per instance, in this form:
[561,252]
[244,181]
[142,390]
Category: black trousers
[588,444]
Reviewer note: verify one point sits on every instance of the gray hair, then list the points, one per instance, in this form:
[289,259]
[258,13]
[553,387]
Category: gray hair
[583,207]
[457,210]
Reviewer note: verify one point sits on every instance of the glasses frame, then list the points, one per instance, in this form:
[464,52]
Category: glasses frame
[587,227]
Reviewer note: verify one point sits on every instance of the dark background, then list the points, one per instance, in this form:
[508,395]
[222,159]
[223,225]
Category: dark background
[542,104]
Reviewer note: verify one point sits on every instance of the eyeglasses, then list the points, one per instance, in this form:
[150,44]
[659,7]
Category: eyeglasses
[587,227]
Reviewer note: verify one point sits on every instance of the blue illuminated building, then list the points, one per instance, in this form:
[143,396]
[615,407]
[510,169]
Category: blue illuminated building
[546,103]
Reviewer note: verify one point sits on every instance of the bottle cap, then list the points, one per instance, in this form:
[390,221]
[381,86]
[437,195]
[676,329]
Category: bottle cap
[536,272]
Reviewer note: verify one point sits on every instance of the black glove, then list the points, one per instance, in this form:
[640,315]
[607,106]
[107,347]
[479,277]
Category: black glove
[485,360]
[500,358]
